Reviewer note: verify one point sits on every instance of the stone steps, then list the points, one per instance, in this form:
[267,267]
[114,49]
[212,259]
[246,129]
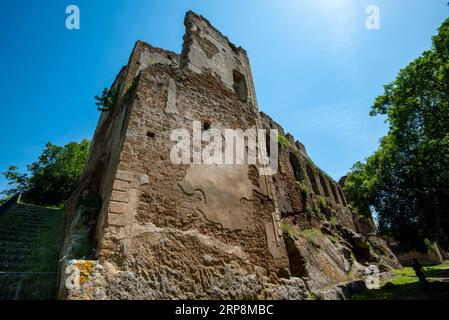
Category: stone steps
[25,250]
[26,224]
[20,228]
[23,237]
[17,244]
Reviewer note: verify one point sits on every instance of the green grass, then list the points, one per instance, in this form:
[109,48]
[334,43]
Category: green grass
[304,190]
[438,267]
[332,239]
[310,233]
[46,249]
[286,229]
[333,221]
[53,207]
[309,211]
[45,259]
[405,285]
[322,201]
[283,141]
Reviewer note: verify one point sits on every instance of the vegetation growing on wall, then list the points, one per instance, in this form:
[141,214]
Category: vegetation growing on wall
[84,242]
[107,99]
[304,190]
[283,141]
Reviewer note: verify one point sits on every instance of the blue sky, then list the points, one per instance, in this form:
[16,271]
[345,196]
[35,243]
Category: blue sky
[317,68]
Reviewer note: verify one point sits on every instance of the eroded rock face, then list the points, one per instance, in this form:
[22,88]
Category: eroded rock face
[177,272]
[324,264]
[329,264]
[188,231]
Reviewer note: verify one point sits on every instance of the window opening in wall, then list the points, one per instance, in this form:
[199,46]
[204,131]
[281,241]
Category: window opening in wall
[342,196]
[334,192]
[297,169]
[312,179]
[150,134]
[324,184]
[206,126]
[240,86]
[268,142]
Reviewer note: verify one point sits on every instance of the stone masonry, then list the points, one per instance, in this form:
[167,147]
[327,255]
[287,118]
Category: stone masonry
[158,230]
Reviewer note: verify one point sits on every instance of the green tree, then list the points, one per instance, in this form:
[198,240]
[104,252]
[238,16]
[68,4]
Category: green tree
[53,177]
[406,181]
[107,99]
[357,189]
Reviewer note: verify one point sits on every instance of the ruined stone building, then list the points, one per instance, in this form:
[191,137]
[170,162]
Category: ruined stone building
[141,227]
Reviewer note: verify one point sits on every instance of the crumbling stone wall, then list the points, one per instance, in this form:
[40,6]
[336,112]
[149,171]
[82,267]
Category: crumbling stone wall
[100,175]
[298,175]
[165,231]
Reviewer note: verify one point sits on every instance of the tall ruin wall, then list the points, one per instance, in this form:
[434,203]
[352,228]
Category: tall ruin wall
[141,227]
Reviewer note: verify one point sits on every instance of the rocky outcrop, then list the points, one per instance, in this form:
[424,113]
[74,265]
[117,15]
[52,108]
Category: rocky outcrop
[329,263]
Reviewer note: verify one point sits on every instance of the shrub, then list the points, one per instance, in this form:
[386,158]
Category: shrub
[309,211]
[283,141]
[322,202]
[333,221]
[332,239]
[310,234]
[107,99]
[304,190]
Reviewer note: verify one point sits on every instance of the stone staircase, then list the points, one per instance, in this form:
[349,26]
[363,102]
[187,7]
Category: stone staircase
[29,245]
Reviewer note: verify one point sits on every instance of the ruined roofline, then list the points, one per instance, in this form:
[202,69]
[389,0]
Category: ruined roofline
[156,49]
[125,77]
[296,143]
[288,135]
[189,14]
[135,63]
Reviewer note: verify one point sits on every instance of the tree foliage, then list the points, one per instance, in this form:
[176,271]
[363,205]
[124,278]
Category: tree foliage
[53,177]
[406,181]
[107,100]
